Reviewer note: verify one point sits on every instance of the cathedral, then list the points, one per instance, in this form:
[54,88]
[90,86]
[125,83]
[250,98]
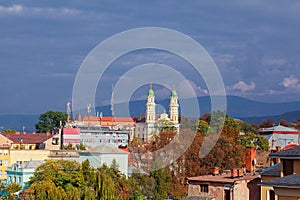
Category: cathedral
[154,123]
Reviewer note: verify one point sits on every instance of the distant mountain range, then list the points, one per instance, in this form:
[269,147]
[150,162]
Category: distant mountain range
[237,107]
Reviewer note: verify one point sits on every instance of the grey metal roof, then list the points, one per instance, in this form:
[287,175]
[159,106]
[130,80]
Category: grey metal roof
[278,128]
[291,181]
[106,148]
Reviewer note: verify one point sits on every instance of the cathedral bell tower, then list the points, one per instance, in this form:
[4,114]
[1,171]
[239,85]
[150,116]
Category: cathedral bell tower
[173,107]
[150,107]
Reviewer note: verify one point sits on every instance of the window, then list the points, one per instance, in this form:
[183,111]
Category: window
[204,188]
[288,167]
[5,152]
[55,141]
[227,195]
[20,180]
[270,195]
[0,152]
[5,162]
[0,172]
[0,162]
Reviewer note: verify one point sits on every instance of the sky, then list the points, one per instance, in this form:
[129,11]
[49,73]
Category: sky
[255,45]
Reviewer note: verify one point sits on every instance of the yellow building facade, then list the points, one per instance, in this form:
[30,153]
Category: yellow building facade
[4,160]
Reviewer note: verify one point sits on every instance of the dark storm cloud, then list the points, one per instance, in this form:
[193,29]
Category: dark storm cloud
[254,44]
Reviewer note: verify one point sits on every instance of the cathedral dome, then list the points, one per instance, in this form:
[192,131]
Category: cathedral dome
[151,92]
[174,93]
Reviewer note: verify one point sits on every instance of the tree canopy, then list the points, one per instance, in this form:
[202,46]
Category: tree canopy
[50,121]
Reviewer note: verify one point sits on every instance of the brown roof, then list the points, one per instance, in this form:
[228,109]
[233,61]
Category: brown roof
[28,138]
[223,178]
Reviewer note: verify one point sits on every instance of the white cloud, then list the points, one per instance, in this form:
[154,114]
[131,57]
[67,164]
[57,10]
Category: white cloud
[19,9]
[291,82]
[242,86]
[273,61]
[12,9]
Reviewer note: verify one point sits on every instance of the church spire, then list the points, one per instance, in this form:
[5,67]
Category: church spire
[150,106]
[173,106]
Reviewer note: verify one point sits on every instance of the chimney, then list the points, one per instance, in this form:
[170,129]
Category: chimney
[277,160]
[215,171]
[250,156]
[237,173]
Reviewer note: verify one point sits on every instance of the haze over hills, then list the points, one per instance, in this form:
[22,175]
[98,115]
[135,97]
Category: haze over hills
[237,107]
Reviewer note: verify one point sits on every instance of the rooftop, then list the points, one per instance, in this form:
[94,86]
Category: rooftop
[278,128]
[292,153]
[106,148]
[223,178]
[28,138]
[291,181]
[274,170]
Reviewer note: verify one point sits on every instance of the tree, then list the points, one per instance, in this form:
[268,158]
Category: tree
[266,124]
[58,179]
[9,131]
[11,189]
[50,121]
[202,126]
[162,181]
[253,139]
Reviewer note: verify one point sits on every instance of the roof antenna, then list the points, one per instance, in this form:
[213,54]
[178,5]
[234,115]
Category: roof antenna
[112,101]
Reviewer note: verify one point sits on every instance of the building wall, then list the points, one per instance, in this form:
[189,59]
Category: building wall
[27,155]
[51,146]
[5,161]
[264,189]
[193,190]
[287,193]
[4,140]
[288,198]
[296,166]
[217,191]
[121,159]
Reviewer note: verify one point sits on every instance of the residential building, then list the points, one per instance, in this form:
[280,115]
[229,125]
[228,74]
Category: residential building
[4,160]
[99,155]
[30,141]
[280,136]
[95,136]
[283,182]
[20,156]
[231,184]
[26,147]
[71,136]
[21,172]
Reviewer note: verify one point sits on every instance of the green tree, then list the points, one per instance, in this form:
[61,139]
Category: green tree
[58,179]
[162,180]
[250,139]
[9,131]
[11,189]
[203,126]
[50,121]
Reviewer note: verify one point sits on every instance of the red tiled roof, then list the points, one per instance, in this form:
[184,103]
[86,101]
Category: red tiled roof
[28,138]
[289,146]
[108,119]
